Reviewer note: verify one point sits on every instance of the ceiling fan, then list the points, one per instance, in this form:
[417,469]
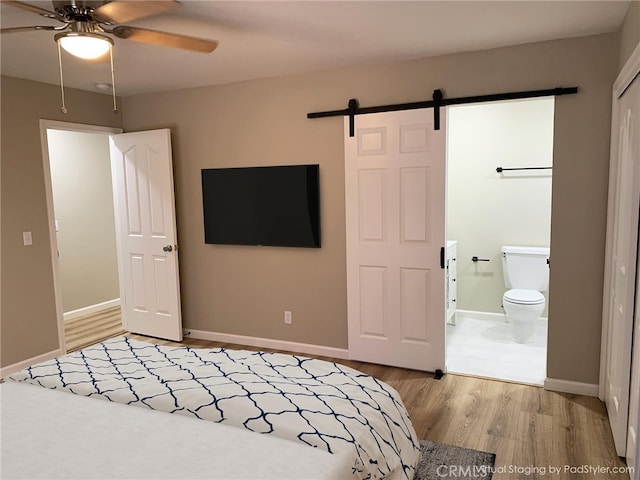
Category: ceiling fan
[85,23]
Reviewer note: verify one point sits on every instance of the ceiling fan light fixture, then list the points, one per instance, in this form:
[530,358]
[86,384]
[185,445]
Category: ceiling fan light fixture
[84,44]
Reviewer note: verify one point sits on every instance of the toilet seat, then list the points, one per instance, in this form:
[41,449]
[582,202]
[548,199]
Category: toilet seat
[523,297]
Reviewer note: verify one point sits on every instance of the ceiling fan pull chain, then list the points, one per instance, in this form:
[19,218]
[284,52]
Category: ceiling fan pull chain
[63,109]
[113,81]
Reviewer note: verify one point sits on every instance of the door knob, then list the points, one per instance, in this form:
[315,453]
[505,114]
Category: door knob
[168,248]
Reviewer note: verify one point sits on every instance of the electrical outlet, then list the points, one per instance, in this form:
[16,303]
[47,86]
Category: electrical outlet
[287,317]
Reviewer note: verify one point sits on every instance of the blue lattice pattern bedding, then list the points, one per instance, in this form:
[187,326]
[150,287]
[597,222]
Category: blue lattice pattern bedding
[321,404]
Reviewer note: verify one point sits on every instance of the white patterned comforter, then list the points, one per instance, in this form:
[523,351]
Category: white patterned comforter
[321,404]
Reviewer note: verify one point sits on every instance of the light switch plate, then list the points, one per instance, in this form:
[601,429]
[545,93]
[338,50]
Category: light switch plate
[27,239]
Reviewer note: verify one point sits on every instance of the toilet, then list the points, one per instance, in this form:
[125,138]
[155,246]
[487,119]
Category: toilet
[526,275]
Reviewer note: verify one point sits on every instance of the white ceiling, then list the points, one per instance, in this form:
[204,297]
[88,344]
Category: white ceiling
[273,38]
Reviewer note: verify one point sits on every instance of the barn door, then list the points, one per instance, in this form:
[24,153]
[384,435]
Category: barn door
[395,223]
[142,173]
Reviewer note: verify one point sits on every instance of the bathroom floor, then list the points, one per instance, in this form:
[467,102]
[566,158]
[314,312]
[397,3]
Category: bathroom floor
[484,348]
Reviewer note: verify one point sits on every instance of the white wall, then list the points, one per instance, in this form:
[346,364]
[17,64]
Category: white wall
[83,204]
[486,209]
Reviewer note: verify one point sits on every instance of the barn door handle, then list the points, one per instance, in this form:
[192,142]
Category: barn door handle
[168,248]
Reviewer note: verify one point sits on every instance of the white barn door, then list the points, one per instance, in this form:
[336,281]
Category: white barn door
[142,173]
[395,225]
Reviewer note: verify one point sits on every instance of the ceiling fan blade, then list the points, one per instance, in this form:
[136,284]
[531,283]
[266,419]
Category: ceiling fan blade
[123,11]
[31,8]
[28,29]
[165,39]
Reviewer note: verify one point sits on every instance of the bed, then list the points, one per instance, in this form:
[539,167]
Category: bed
[54,435]
[317,419]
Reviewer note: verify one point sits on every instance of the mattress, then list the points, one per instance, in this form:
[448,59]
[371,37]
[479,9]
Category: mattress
[311,402]
[49,434]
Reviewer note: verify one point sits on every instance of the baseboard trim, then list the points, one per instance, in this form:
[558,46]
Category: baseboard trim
[489,316]
[567,386]
[16,367]
[306,348]
[468,314]
[90,309]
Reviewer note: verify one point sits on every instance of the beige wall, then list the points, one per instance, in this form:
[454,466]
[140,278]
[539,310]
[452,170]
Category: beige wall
[485,209]
[629,33]
[28,316]
[83,206]
[244,290]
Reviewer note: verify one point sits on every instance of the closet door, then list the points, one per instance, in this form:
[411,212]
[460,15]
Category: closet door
[622,250]
[633,429]
[632,100]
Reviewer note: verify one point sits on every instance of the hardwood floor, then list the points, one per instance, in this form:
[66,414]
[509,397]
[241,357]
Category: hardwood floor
[530,430]
[93,328]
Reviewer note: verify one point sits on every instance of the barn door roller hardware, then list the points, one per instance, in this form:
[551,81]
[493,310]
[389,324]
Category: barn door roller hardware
[437,101]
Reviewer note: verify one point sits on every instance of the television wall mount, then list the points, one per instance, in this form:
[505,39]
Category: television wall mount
[436,102]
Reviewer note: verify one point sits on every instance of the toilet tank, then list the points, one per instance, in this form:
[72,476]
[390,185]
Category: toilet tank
[526,267]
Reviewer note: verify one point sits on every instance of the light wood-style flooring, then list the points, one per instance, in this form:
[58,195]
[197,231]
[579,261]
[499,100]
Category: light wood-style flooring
[528,428]
[93,328]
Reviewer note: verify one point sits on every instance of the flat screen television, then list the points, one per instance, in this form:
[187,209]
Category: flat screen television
[274,206]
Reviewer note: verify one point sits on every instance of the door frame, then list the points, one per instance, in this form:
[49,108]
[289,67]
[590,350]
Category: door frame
[53,239]
[626,76]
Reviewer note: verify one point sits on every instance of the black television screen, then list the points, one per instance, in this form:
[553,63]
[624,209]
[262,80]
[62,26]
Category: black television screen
[275,206]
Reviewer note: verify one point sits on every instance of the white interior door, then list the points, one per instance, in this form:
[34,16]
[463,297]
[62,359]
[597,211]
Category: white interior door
[395,214]
[633,430]
[632,105]
[622,277]
[142,173]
